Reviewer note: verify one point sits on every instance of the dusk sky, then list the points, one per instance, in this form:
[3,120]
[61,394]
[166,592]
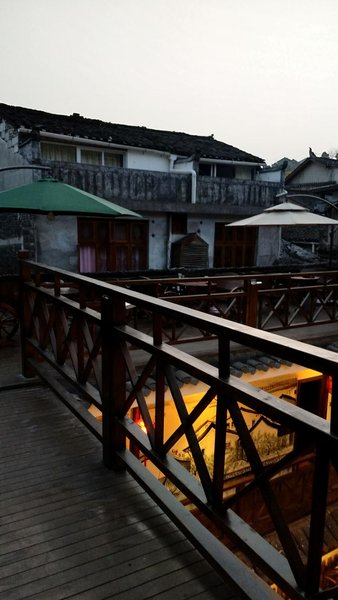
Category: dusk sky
[261,75]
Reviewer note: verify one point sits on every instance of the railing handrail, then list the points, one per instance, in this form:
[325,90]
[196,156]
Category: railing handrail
[296,351]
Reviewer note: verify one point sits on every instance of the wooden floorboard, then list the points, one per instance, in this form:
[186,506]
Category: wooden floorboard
[70,528]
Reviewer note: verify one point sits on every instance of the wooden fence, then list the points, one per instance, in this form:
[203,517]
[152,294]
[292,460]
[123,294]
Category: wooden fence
[77,331]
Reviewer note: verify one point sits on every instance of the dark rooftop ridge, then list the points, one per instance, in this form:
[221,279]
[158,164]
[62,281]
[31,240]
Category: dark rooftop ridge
[75,125]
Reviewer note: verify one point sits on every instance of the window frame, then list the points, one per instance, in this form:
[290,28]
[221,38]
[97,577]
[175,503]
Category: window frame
[133,248]
[234,246]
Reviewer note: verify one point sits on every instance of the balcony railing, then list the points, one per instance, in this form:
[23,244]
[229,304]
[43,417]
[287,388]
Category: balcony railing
[271,302]
[77,330]
[137,187]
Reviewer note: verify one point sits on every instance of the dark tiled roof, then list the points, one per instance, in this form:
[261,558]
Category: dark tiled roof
[182,144]
[253,364]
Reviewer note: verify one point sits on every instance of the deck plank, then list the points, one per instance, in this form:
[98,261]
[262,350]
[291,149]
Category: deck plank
[72,528]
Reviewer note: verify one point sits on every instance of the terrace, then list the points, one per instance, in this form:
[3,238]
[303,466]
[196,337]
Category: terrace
[75,527]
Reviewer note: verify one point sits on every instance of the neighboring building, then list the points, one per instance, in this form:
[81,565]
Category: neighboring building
[275,173]
[182,184]
[315,182]
[315,175]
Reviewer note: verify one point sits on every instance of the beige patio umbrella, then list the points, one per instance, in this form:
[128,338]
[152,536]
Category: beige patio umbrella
[287,214]
[282,214]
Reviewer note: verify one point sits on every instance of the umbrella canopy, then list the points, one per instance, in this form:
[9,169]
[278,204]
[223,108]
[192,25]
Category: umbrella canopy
[286,214]
[51,196]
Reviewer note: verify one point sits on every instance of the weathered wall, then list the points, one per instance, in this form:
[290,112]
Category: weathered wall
[158,241]
[150,191]
[268,246]
[125,185]
[16,231]
[57,241]
[233,193]
[13,178]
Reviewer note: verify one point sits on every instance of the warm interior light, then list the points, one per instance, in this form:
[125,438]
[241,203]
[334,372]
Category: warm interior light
[329,385]
[141,424]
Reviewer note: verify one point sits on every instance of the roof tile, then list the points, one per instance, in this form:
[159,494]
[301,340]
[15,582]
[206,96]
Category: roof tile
[182,144]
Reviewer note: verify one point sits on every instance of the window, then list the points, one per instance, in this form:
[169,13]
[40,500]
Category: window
[128,245]
[113,159]
[227,171]
[91,157]
[98,157]
[205,169]
[61,152]
[179,223]
[216,170]
[240,453]
[234,246]
[112,245]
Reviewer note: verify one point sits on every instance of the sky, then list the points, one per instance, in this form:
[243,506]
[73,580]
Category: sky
[261,75]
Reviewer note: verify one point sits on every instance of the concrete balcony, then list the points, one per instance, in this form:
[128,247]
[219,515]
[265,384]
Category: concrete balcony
[170,192]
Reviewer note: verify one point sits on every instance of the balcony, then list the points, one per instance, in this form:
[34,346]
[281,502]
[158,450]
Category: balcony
[77,336]
[153,190]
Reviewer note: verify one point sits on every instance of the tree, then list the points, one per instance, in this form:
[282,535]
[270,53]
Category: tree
[333,153]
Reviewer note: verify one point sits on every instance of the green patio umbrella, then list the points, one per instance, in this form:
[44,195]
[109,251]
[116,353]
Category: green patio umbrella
[51,196]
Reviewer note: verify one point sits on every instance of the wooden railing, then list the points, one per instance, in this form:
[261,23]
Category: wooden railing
[271,302]
[76,329]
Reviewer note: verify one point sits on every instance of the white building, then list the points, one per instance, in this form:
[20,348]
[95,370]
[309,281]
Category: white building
[181,184]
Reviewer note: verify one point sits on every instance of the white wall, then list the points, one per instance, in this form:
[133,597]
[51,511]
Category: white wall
[268,246]
[315,172]
[57,241]
[182,167]
[158,242]
[147,160]
[272,176]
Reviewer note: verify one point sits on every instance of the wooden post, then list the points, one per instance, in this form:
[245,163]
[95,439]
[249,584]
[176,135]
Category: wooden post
[317,524]
[221,424]
[160,386]
[113,381]
[251,295]
[334,405]
[24,269]
[24,315]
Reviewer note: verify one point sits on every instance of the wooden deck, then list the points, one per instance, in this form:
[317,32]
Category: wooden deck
[70,528]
